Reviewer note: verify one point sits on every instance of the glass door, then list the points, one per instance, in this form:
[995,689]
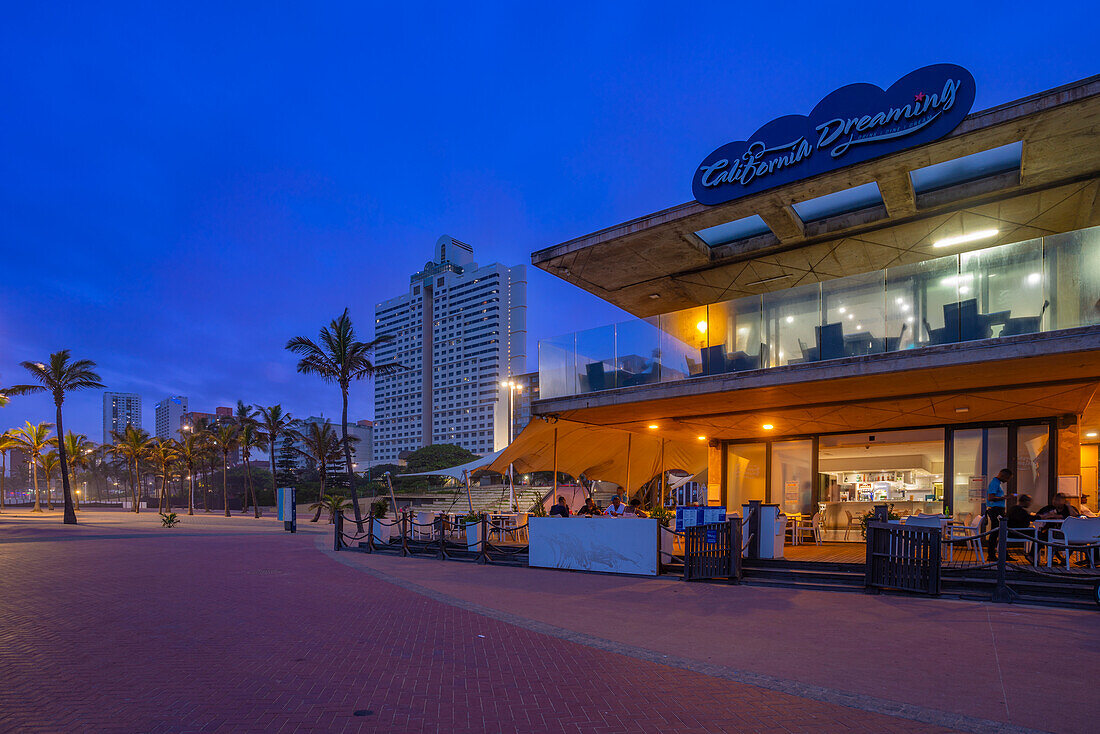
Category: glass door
[978,454]
[792,480]
[746,476]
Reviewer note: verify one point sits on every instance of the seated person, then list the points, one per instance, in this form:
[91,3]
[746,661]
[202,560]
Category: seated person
[1084,508]
[616,508]
[1059,508]
[589,509]
[560,509]
[1020,515]
[635,509]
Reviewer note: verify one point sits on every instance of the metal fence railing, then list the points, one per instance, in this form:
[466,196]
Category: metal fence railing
[441,538]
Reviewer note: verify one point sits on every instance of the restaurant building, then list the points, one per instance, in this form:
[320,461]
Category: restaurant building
[885,301]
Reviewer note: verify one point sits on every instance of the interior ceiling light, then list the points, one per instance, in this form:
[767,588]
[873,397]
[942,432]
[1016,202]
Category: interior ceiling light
[1092,434]
[962,409]
[981,234]
[652,425]
[702,327]
[702,438]
[767,426]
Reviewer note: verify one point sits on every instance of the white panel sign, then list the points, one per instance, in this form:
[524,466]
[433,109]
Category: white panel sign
[605,545]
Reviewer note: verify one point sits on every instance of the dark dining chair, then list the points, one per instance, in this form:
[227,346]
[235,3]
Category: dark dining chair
[596,376]
[1025,324]
[714,359]
[830,341]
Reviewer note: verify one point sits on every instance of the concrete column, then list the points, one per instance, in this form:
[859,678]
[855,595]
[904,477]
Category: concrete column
[1069,450]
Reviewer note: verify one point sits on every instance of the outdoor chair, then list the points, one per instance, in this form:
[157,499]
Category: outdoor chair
[970,533]
[810,527]
[852,523]
[1077,535]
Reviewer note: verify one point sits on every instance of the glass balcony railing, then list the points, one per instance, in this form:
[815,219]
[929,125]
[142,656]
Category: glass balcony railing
[1045,284]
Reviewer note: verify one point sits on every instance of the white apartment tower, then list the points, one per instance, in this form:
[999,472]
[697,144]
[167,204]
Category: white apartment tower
[120,409]
[459,330]
[169,412]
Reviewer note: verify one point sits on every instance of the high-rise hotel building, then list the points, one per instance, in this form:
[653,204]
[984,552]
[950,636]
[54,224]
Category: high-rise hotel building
[460,330]
[120,409]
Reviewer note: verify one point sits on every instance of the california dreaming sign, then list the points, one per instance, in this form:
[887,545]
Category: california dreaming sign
[853,124]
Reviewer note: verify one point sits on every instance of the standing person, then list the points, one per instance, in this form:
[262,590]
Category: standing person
[995,508]
[560,509]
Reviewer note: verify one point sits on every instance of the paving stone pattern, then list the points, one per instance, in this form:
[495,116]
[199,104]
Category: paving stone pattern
[240,631]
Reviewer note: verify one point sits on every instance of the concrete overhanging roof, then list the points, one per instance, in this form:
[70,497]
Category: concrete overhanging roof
[656,263]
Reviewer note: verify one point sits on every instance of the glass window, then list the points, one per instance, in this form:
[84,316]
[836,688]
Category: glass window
[637,352]
[745,476]
[1033,464]
[854,320]
[791,318]
[792,483]
[1073,271]
[1001,291]
[978,454]
[916,297]
[595,366]
[683,340]
[903,469]
[734,336]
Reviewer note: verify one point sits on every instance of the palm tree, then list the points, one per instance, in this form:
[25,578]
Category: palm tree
[331,502]
[250,438]
[322,446]
[32,440]
[273,423]
[7,443]
[225,438]
[59,377]
[79,449]
[131,446]
[49,463]
[192,450]
[163,453]
[341,358]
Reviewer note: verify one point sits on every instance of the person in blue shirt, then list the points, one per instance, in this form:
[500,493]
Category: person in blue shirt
[995,509]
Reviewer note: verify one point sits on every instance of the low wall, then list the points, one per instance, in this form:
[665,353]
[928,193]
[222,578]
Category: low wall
[601,544]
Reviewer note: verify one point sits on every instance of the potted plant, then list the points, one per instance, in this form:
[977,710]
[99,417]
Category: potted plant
[378,510]
[869,516]
[472,522]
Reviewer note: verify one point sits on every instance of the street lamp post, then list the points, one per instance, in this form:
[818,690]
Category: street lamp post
[513,388]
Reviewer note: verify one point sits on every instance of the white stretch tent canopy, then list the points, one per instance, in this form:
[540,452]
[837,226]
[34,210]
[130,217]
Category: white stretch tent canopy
[456,472]
[598,452]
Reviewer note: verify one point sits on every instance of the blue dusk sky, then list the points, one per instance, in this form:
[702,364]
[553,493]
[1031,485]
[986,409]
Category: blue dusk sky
[184,186]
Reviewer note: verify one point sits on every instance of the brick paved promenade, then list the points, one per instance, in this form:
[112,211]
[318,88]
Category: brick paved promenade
[230,625]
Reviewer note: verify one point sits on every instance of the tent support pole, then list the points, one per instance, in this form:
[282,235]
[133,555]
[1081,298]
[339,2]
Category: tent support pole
[555,463]
[626,487]
[664,469]
[469,500]
[389,483]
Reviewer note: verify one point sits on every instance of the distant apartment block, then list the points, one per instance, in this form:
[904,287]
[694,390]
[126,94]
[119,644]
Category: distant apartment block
[120,409]
[168,414]
[459,330]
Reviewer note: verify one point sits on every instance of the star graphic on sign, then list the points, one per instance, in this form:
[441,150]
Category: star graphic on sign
[919,96]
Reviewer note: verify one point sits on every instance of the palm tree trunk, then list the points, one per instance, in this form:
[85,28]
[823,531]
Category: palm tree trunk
[225,488]
[76,497]
[37,494]
[49,493]
[3,471]
[191,489]
[274,490]
[320,495]
[248,474]
[347,458]
[133,486]
[66,492]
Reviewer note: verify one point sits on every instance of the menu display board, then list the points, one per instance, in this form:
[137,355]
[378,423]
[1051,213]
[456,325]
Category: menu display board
[687,517]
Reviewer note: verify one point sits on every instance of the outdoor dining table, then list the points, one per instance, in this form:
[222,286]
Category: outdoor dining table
[1039,526]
